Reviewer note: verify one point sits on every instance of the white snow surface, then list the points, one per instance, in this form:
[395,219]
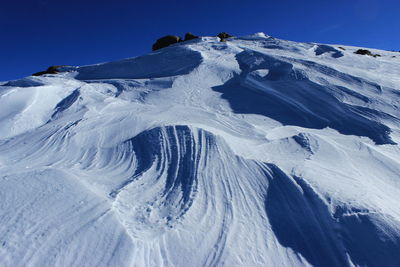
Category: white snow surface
[251,152]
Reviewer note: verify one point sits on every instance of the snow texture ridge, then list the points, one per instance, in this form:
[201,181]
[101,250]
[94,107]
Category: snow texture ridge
[251,152]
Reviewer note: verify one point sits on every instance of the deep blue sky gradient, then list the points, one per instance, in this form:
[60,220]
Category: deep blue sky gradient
[37,33]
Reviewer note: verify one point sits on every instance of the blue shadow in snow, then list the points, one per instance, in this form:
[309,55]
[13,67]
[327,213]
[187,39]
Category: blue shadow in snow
[368,243]
[289,97]
[172,149]
[302,221]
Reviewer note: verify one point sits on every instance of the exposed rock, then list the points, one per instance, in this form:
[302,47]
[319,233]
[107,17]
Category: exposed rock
[366,52]
[166,41]
[190,36]
[363,52]
[50,70]
[223,36]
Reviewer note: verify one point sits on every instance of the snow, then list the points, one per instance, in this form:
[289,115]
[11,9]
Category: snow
[251,152]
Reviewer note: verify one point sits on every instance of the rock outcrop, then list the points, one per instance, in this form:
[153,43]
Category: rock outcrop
[190,36]
[50,70]
[166,41]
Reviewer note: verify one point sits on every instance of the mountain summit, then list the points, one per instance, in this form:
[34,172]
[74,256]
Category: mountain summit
[254,151]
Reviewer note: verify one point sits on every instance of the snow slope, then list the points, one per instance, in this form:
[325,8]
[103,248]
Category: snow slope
[251,152]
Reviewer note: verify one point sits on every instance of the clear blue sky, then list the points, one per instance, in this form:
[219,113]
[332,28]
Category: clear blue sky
[37,33]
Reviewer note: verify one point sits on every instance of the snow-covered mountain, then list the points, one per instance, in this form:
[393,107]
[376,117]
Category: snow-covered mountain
[251,152]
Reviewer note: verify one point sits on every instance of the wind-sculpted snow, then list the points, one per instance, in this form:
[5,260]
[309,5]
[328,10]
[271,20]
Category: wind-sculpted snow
[176,61]
[322,49]
[286,94]
[167,159]
[301,220]
[177,188]
[66,102]
[250,152]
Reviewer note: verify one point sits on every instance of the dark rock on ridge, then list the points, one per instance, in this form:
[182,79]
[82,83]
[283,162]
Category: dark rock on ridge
[166,41]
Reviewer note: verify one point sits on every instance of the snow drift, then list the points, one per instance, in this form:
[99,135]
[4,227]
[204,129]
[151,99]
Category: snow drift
[251,152]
